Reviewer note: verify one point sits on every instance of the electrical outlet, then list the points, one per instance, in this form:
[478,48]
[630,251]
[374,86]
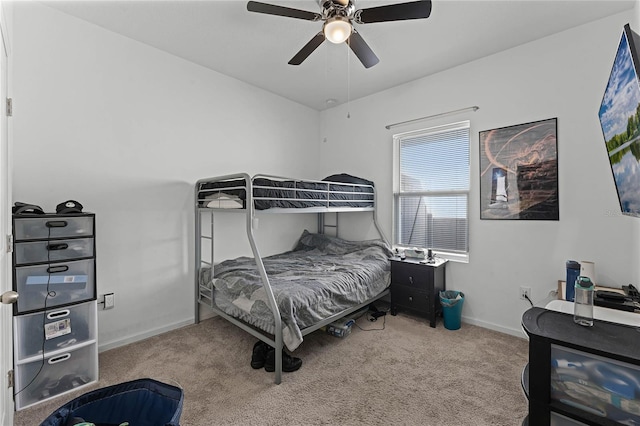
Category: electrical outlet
[524,291]
[109,301]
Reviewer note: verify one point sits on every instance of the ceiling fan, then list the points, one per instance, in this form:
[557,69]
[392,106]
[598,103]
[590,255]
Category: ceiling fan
[339,16]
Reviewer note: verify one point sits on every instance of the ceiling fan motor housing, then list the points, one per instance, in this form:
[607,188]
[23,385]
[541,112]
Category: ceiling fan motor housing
[331,8]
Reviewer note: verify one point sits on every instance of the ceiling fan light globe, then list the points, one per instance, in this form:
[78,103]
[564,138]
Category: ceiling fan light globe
[337,29]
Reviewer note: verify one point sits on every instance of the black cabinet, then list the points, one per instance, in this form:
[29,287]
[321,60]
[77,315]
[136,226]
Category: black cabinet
[415,286]
[583,375]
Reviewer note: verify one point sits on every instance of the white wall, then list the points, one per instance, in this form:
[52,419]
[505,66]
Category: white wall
[561,76]
[127,130]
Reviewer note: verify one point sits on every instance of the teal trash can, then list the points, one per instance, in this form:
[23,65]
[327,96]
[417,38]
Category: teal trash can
[451,302]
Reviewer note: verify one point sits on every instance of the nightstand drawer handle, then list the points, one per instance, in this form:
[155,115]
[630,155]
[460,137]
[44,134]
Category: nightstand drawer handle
[411,280]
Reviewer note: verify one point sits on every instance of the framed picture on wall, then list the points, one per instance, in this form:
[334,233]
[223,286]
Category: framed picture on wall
[519,172]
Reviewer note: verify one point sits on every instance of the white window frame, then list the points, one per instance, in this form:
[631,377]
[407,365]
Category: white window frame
[397,138]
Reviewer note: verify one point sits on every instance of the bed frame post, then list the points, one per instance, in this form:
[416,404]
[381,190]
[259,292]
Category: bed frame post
[277,320]
[198,258]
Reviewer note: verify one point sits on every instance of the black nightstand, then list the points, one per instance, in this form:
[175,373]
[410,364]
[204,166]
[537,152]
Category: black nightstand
[416,286]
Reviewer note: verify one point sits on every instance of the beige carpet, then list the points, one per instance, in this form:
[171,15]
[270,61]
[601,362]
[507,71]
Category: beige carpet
[406,374]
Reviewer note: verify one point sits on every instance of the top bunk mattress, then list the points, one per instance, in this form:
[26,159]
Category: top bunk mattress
[335,191]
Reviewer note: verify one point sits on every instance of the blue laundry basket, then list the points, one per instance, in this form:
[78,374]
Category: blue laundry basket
[142,402]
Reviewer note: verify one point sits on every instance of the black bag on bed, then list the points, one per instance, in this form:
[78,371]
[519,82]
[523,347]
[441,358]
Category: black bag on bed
[345,178]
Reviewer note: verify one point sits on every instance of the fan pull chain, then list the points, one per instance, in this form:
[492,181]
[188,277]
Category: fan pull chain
[348,78]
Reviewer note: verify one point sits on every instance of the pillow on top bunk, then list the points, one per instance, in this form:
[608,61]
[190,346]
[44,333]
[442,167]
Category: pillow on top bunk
[345,178]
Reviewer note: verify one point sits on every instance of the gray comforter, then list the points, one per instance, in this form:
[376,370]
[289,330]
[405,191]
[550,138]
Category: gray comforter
[322,276]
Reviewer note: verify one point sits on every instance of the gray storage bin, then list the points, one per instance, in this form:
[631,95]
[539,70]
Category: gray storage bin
[68,282]
[53,251]
[65,327]
[55,374]
[53,227]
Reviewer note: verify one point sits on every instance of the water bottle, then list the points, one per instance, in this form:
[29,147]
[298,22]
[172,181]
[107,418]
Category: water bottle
[583,303]
[573,271]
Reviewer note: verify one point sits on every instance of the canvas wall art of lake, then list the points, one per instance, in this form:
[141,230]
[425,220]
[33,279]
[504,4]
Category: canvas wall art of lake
[620,120]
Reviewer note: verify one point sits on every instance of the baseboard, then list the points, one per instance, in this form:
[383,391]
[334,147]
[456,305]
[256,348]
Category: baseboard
[206,314]
[513,332]
[144,335]
[156,331]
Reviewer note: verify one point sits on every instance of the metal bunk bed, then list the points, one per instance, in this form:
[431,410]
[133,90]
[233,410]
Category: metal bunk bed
[241,193]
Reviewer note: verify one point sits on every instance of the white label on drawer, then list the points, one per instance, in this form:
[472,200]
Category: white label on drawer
[57,328]
[56,279]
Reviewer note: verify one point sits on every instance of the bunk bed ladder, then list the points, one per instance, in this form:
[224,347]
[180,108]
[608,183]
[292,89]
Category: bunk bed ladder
[322,224]
[203,294]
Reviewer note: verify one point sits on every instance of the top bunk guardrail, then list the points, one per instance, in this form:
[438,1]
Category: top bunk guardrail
[274,193]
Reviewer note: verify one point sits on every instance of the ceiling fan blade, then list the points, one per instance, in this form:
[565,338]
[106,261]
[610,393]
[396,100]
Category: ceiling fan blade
[362,50]
[307,49]
[394,12]
[272,9]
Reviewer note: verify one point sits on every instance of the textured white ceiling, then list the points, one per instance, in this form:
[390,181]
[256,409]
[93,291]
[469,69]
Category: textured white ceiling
[255,48]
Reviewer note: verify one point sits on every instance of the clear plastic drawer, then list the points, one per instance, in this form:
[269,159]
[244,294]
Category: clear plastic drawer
[54,375]
[600,386]
[53,251]
[56,284]
[54,330]
[52,227]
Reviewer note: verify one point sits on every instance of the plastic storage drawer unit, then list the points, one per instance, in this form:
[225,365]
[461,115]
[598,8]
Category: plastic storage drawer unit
[53,250]
[52,227]
[55,319]
[54,330]
[56,374]
[48,285]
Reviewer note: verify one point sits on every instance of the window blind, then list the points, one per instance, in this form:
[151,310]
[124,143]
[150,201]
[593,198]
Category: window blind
[432,190]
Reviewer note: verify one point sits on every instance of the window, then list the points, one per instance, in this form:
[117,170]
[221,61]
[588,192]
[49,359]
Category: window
[431,189]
